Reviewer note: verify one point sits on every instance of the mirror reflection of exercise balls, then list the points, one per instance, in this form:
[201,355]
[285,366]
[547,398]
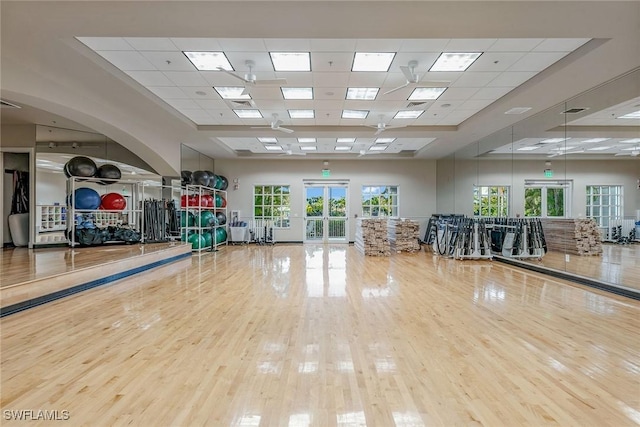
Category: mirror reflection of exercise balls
[185,177]
[80,166]
[110,173]
[211,179]
[221,235]
[221,217]
[187,219]
[225,183]
[113,202]
[197,241]
[200,178]
[86,199]
[208,239]
[207,219]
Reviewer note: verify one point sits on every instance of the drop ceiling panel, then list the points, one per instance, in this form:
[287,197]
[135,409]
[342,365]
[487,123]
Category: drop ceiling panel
[204,92]
[169,61]
[378,45]
[475,79]
[537,61]
[333,45]
[495,61]
[168,92]
[469,45]
[370,79]
[197,44]
[424,45]
[297,78]
[331,61]
[151,43]
[127,60]
[514,45]
[335,93]
[330,79]
[263,67]
[211,104]
[511,79]
[288,45]
[559,45]
[242,45]
[106,43]
[186,78]
[491,92]
[458,93]
[150,78]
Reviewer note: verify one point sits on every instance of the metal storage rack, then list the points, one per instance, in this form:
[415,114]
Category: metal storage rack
[196,210]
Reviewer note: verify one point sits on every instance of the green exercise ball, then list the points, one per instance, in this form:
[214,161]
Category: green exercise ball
[206,219]
[187,219]
[184,235]
[221,235]
[208,239]
[197,241]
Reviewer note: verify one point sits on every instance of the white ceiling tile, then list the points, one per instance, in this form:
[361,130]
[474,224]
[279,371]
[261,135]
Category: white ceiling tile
[169,61]
[425,61]
[333,45]
[560,45]
[297,78]
[469,45]
[266,92]
[271,105]
[331,61]
[106,43]
[220,78]
[151,43]
[303,104]
[186,78]
[327,105]
[127,61]
[330,79]
[328,93]
[495,61]
[386,105]
[437,76]
[378,45]
[191,44]
[242,45]
[192,92]
[150,78]
[514,45]
[211,104]
[424,45]
[168,92]
[287,45]
[491,92]
[225,117]
[476,104]
[475,79]
[511,79]
[197,115]
[182,104]
[366,79]
[536,61]
[458,93]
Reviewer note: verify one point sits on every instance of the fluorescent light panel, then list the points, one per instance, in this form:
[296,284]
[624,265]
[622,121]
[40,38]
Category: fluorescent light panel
[306,140]
[518,110]
[408,114]
[362,93]
[634,115]
[598,148]
[455,61]
[378,148]
[528,148]
[273,148]
[342,148]
[594,140]
[209,61]
[297,92]
[301,114]
[291,61]
[426,93]
[384,140]
[553,140]
[268,140]
[248,114]
[354,114]
[231,92]
[372,61]
[345,140]
[630,141]
[308,148]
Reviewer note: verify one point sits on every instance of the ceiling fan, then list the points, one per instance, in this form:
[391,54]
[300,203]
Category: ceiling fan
[290,152]
[382,126]
[250,80]
[275,125]
[410,75]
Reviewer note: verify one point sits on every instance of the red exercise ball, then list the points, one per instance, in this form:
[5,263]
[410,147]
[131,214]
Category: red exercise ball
[113,202]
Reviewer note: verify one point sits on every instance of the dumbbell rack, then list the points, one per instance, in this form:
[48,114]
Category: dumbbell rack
[131,215]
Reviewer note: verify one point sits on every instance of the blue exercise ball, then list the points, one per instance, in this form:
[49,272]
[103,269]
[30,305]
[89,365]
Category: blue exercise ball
[86,198]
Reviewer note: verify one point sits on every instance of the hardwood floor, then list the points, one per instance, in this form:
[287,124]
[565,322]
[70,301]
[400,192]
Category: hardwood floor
[320,335]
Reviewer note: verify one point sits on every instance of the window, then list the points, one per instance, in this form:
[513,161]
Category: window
[547,199]
[272,202]
[604,202]
[379,200]
[490,201]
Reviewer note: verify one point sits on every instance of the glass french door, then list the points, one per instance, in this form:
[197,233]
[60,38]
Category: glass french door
[326,213]
[546,200]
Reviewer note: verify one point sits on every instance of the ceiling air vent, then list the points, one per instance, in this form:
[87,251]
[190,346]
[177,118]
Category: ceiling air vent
[244,153]
[574,110]
[241,103]
[6,104]
[407,153]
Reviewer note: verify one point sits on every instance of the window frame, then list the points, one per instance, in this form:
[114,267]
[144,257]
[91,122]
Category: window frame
[619,207]
[278,220]
[478,188]
[390,206]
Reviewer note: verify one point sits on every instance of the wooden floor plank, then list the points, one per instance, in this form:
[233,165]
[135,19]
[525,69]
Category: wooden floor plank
[319,335]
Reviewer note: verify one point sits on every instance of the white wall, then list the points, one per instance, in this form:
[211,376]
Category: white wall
[416,180]
[51,188]
[583,172]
